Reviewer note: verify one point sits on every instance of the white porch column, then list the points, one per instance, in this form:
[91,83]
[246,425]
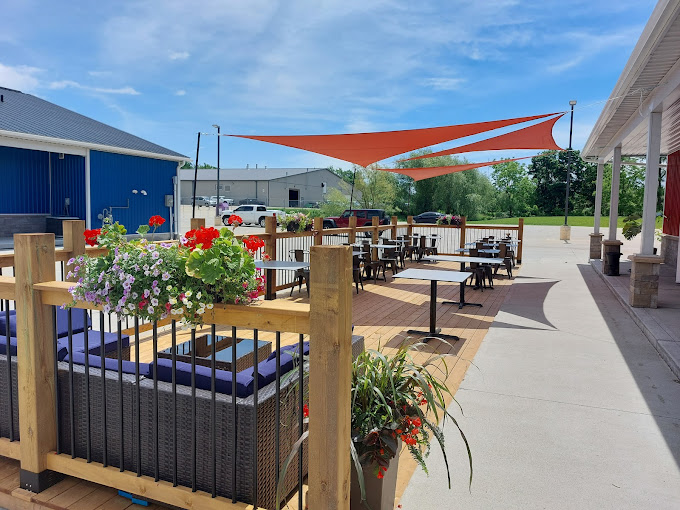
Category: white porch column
[598,196]
[614,196]
[651,184]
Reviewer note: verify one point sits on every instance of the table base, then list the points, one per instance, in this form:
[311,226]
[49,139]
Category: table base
[461,305]
[430,334]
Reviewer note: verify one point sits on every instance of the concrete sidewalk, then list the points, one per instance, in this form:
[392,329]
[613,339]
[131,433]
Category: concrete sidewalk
[568,406]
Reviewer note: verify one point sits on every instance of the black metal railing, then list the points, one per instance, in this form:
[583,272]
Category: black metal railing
[9,403]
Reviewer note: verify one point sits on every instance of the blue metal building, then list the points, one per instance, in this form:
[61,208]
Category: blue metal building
[55,164]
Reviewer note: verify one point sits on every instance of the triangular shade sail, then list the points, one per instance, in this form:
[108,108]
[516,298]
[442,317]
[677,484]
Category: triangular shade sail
[538,136]
[418,174]
[366,148]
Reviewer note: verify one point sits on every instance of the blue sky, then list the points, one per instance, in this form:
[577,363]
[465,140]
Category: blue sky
[164,70]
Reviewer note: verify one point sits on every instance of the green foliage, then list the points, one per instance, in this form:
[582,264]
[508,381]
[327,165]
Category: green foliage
[336,202]
[395,397]
[345,175]
[632,226]
[516,192]
[377,189]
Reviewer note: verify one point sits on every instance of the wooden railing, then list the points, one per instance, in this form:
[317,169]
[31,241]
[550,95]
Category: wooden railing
[326,319]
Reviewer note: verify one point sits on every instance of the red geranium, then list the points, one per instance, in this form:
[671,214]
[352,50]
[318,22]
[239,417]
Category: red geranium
[92,235]
[235,220]
[202,236]
[156,221]
[252,244]
[305,411]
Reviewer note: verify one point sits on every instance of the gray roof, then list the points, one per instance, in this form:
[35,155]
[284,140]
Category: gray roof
[244,174]
[24,113]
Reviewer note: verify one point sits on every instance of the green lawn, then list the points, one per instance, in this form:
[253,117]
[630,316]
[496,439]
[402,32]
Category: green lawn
[574,221]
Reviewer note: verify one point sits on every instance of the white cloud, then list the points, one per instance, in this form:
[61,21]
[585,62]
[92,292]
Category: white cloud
[23,78]
[181,92]
[179,55]
[444,83]
[63,84]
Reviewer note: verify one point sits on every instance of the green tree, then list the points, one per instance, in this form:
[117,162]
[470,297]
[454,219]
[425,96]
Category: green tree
[548,171]
[378,189]
[345,175]
[469,193]
[516,192]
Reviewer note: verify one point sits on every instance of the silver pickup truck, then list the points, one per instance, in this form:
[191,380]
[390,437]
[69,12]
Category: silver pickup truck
[252,214]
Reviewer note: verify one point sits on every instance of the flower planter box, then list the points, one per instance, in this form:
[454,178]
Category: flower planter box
[380,492]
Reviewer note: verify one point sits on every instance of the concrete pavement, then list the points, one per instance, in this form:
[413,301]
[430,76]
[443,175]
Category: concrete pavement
[567,404]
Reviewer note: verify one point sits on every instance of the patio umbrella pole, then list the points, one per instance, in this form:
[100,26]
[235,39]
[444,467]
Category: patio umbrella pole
[351,196]
[193,201]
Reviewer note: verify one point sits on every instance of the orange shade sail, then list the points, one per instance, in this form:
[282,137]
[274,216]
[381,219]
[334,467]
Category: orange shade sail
[538,136]
[418,174]
[366,148]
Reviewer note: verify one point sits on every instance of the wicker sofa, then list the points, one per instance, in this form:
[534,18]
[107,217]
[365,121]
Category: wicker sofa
[140,443]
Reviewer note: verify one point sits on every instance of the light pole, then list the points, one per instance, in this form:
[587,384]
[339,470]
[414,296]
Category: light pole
[566,197]
[217,206]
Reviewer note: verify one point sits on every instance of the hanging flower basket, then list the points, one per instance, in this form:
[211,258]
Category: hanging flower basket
[449,219]
[297,222]
[150,281]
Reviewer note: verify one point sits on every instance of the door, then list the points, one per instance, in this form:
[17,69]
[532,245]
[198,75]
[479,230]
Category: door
[293,198]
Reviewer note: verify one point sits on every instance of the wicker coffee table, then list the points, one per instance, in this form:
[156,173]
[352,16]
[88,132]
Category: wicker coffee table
[223,352]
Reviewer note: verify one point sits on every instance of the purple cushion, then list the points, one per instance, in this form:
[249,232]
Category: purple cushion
[12,345]
[61,351]
[128,367]
[244,382]
[94,342]
[77,322]
[291,349]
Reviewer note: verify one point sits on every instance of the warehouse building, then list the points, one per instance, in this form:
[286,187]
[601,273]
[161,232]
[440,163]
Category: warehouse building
[275,187]
[57,164]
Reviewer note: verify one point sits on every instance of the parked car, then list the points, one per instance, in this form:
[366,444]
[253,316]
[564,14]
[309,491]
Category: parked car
[313,205]
[427,217]
[203,200]
[252,214]
[364,217]
[247,201]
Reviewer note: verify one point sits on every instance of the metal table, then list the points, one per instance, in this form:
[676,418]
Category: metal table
[276,265]
[434,276]
[464,260]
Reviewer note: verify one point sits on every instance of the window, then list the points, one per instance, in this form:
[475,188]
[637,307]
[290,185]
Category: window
[261,208]
[346,214]
[361,214]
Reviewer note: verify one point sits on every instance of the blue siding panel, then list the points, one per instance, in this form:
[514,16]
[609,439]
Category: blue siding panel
[114,176]
[68,181]
[24,175]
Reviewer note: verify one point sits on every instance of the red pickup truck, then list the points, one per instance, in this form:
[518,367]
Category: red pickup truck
[364,217]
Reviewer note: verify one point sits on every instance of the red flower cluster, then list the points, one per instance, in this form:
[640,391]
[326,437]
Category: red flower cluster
[92,235]
[409,434]
[305,411]
[235,220]
[381,472]
[201,236]
[252,244]
[156,221]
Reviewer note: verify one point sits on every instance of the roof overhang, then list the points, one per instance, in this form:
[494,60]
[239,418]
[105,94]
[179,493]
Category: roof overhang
[650,82]
[49,144]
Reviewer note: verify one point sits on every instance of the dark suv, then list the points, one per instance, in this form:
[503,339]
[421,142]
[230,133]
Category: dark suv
[364,217]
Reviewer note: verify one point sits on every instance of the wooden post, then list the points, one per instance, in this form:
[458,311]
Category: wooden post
[197,223]
[352,238]
[375,221]
[520,239]
[409,228]
[74,242]
[318,231]
[330,375]
[34,263]
[270,249]
[395,220]
[463,228]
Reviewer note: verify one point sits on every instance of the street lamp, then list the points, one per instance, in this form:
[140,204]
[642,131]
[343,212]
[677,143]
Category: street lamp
[571,129]
[217,206]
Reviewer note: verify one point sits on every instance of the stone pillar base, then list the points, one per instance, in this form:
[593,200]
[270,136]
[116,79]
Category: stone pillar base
[644,281]
[565,233]
[218,221]
[669,249]
[609,245]
[596,246]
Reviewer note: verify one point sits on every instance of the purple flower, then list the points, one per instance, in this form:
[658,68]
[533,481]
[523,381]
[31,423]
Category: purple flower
[166,276]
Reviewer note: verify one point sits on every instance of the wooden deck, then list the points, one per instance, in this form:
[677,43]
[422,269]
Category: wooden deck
[382,313]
